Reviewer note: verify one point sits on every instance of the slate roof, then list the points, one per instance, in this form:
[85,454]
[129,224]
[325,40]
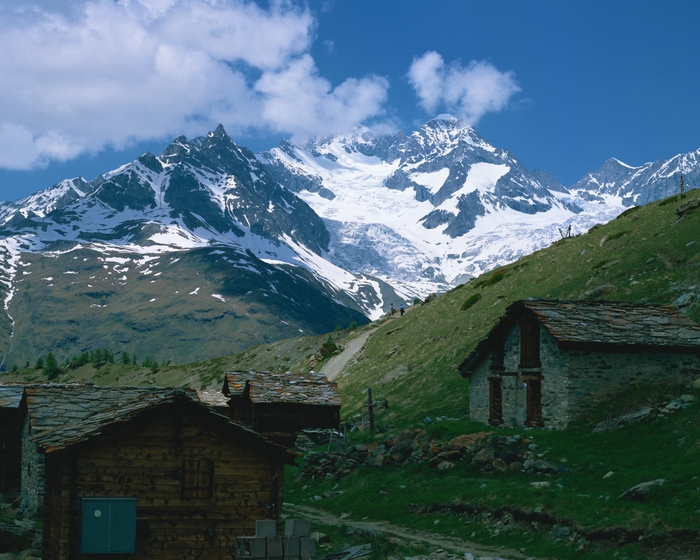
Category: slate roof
[608,325]
[59,404]
[10,395]
[63,415]
[268,387]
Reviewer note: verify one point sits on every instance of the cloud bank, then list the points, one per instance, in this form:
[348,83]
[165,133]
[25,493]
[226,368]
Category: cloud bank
[467,92]
[77,76]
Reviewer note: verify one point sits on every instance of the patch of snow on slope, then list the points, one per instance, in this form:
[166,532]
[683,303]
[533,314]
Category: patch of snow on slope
[482,177]
[432,181]
[336,276]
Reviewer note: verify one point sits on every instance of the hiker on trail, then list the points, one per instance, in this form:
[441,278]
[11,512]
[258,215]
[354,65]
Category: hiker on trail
[401,309]
[393,310]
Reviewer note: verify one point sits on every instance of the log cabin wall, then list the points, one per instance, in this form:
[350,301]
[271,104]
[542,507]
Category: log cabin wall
[196,488]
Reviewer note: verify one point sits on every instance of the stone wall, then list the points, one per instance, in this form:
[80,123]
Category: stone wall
[32,496]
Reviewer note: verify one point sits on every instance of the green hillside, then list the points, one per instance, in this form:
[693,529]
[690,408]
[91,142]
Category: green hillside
[647,254]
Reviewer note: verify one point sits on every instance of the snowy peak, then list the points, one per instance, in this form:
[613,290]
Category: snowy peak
[418,209]
[620,183]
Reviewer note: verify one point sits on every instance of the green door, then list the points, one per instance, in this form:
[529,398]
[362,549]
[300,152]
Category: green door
[109,526]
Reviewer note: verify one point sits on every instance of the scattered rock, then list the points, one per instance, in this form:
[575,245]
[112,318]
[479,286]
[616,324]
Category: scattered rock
[687,206]
[598,292]
[511,453]
[644,414]
[640,491]
[407,446]
[647,413]
[468,440]
[540,484]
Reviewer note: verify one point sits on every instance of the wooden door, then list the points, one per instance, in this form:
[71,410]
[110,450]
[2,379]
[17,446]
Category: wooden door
[495,401]
[534,402]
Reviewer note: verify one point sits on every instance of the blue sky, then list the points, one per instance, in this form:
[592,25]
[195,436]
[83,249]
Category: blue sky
[87,86]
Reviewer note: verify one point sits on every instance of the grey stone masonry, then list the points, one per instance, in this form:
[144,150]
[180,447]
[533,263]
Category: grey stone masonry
[32,471]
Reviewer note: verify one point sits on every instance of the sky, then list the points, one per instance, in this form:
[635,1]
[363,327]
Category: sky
[86,86]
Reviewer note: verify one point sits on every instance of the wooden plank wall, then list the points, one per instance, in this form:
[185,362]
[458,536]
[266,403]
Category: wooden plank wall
[147,463]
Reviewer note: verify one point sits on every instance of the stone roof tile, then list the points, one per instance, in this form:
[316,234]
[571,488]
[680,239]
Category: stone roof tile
[269,387]
[600,323]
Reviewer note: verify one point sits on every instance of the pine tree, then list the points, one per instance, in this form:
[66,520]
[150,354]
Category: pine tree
[39,363]
[126,359]
[51,369]
[681,184]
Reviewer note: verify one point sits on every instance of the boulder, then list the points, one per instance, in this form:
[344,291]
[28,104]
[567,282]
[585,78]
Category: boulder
[640,491]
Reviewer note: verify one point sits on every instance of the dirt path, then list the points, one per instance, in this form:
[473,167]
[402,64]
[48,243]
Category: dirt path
[447,543]
[335,366]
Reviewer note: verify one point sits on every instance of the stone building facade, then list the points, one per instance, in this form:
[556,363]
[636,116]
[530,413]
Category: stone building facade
[546,362]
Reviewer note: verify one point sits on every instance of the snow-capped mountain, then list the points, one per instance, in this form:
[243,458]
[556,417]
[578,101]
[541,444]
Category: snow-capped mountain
[259,251]
[200,193]
[618,183]
[208,249]
[428,210]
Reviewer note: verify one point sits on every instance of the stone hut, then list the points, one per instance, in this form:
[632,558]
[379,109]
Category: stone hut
[148,472]
[547,361]
[280,404]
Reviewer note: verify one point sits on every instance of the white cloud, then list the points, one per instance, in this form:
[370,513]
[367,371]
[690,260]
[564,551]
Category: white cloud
[77,76]
[468,92]
[300,102]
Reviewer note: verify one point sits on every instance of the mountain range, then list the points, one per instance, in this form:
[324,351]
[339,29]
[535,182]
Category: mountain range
[209,249]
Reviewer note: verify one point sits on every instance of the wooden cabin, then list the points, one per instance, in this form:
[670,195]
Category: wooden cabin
[157,474]
[548,361]
[278,405]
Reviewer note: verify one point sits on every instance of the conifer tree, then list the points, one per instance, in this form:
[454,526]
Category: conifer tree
[681,184]
[51,369]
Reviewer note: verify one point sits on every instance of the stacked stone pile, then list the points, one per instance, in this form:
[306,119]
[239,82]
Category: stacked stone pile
[514,453]
[407,446]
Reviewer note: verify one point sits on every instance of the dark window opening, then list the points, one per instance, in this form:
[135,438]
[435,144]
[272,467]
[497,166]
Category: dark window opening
[495,401]
[534,402]
[530,344]
[197,478]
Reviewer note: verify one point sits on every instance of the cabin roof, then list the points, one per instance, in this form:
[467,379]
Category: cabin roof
[10,395]
[116,406]
[269,387]
[599,323]
[52,405]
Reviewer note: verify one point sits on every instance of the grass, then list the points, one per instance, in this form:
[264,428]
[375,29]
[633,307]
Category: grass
[586,496]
